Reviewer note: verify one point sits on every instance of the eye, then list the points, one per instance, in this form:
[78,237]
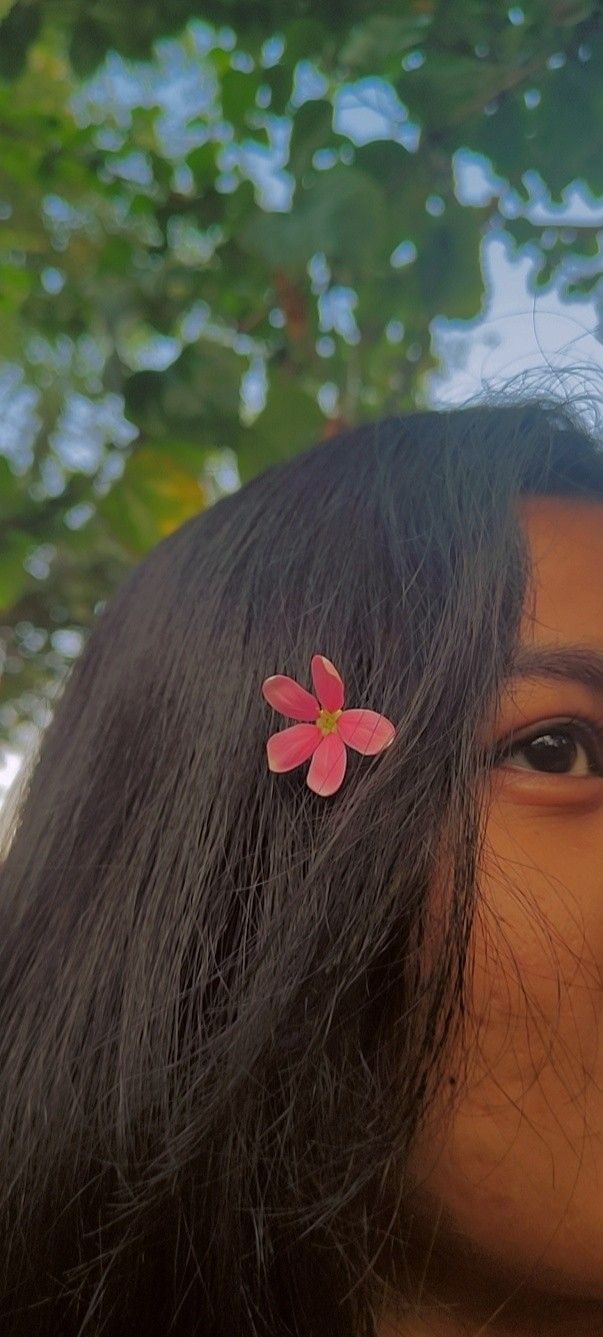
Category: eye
[555,749]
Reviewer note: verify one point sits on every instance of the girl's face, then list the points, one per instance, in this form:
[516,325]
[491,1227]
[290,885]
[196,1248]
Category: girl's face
[516,1177]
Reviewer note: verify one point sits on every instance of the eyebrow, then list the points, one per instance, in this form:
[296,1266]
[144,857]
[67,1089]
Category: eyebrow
[580,663]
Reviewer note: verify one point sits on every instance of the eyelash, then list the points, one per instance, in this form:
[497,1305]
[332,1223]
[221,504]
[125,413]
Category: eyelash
[589,735]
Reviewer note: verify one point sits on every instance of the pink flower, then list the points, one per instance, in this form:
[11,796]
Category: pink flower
[327,728]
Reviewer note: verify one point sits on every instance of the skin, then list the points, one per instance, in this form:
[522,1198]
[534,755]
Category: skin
[508,1209]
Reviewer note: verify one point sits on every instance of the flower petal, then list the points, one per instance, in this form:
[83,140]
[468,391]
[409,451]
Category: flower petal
[327,683]
[327,767]
[286,695]
[365,730]
[287,749]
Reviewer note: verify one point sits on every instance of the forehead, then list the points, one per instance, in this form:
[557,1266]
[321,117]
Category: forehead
[566,544]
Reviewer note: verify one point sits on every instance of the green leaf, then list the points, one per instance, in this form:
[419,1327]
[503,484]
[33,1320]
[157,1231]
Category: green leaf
[466,22]
[340,213]
[18,30]
[449,88]
[11,491]
[185,454]
[447,269]
[312,130]
[582,287]
[380,39]
[202,162]
[16,283]
[237,94]
[388,163]
[279,79]
[291,421]
[305,39]
[558,138]
[522,230]
[195,394]
[86,48]
[153,497]
[15,546]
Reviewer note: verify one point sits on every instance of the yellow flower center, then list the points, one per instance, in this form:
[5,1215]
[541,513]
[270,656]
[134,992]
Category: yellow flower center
[327,720]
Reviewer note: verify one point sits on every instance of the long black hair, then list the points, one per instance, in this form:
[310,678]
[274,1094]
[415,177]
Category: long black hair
[225,1001]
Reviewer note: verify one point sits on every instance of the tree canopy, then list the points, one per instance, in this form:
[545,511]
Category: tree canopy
[222,236]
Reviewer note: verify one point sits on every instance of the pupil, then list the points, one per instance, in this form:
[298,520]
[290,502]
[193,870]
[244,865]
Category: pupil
[558,752]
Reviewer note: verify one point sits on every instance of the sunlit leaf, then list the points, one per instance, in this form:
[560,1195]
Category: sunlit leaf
[155,496]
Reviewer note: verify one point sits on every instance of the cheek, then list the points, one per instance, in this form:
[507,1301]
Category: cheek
[537,952]
[538,932]
[524,1143]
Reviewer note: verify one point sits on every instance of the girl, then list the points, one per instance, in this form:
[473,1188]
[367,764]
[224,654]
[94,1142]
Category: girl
[299,1035]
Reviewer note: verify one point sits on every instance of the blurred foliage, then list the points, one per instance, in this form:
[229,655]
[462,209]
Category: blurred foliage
[206,263]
